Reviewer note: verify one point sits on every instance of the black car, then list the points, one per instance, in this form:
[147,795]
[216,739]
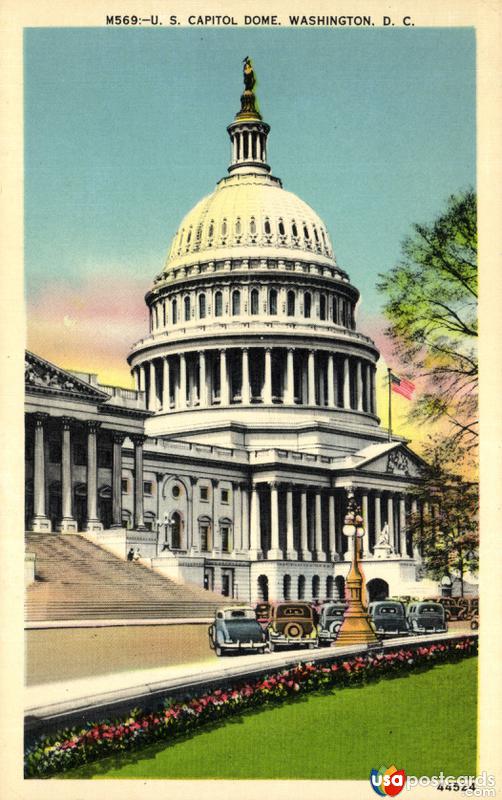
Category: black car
[236,629]
[389,617]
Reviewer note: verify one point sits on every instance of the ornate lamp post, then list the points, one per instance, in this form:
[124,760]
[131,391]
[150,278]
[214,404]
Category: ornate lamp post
[356,627]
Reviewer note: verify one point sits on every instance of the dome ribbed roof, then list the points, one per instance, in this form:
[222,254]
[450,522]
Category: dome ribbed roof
[250,216]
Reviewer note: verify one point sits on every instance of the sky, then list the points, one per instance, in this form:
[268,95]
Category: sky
[125,130]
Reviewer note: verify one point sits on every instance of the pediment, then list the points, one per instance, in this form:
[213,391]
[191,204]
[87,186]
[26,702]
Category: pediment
[396,460]
[40,376]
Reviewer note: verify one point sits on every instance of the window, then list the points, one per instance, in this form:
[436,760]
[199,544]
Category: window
[306,232]
[224,495]
[210,232]
[189,236]
[175,531]
[307,304]
[79,454]
[204,492]
[104,457]
[252,226]
[255,301]
[204,537]
[225,538]
[174,311]
[238,227]
[218,304]
[202,306]
[176,491]
[281,228]
[124,486]
[28,449]
[224,228]
[54,451]
[236,303]
[294,229]
[148,487]
[291,304]
[187,308]
[322,307]
[272,301]
[267,228]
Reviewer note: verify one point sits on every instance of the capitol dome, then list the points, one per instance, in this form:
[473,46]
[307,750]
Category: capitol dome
[251,316]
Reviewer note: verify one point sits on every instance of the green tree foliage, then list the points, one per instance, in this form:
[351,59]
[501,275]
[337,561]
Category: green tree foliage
[432,309]
[446,530]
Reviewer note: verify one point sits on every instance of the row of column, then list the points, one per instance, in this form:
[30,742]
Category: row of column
[41,521]
[311,378]
[248,145]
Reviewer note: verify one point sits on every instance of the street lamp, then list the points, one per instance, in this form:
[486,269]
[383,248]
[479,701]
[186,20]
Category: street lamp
[356,627]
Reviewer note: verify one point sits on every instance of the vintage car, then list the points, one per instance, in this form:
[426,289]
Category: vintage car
[331,616]
[292,625]
[426,616]
[388,617]
[236,629]
[475,622]
[455,608]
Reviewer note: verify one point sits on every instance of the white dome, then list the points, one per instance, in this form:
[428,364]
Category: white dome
[250,215]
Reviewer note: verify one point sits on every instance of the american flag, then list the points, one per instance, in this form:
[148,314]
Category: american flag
[401,386]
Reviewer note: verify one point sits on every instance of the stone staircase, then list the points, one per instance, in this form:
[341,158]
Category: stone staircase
[78,580]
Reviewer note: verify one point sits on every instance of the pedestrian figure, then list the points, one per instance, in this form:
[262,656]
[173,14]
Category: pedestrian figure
[130,554]
[137,555]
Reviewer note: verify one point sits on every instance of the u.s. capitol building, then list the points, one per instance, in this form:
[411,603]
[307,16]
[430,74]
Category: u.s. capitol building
[254,411]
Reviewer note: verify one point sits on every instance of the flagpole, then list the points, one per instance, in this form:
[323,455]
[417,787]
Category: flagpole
[390,404]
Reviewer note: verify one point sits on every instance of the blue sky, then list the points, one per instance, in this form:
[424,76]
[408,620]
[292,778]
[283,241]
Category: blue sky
[125,131]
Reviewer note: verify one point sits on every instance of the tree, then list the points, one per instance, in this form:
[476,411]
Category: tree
[432,309]
[447,529]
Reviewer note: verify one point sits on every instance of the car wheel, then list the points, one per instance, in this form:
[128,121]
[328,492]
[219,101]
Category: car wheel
[311,645]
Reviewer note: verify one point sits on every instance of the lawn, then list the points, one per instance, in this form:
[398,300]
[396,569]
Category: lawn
[422,723]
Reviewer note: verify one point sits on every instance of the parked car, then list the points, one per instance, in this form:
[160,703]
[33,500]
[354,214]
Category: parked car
[262,612]
[236,629]
[389,617]
[292,625]
[331,616]
[474,622]
[426,616]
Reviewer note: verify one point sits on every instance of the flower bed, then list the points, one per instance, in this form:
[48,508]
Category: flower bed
[73,747]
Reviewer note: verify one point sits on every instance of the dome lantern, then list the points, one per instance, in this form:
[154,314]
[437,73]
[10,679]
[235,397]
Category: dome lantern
[248,133]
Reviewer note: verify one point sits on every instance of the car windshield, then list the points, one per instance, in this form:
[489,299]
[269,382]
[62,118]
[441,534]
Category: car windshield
[397,610]
[431,609]
[262,610]
[294,611]
[240,613]
[335,611]
[234,623]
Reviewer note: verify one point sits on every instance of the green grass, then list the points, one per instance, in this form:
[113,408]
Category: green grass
[422,723]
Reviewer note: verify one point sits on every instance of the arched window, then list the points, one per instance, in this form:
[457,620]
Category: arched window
[316,235]
[224,228]
[294,229]
[210,232]
[330,582]
[255,301]
[316,587]
[252,226]
[189,236]
[187,308]
[306,231]
[202,306]
[218,304]
[238,227]
[267,228]
[291,304]
[322,307]
[286,587]
[281,228]
[335,309]
[164,310]
[272,301]
[176,531]
[301,587]
[174,311]
[236,303]
[307,304]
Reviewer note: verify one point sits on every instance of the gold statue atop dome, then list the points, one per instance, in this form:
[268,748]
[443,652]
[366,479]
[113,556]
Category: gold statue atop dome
[248,99]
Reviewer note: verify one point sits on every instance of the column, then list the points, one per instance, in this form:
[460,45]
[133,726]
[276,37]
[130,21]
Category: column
[365,548]
[390,520]
[291,553]
[367,388]
[321,383]
[320,554]
[245,544]
[346,383]
[41,523]
[93,523]
[152,394]
[289,394]
[331,381]
[224,384]
[246,387]
[142,377]
[304,380]
[304,540]
[402,527]
[67,523]
[311,378]
[359,385]
[373,391]
[166,385]
[118,439]
[236,529]
[255,551]
[274,551]
[135,374]
[203,399]
[182,396]
[138,441]
[414,512]
[267,381]
[378,516]
[332,527]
